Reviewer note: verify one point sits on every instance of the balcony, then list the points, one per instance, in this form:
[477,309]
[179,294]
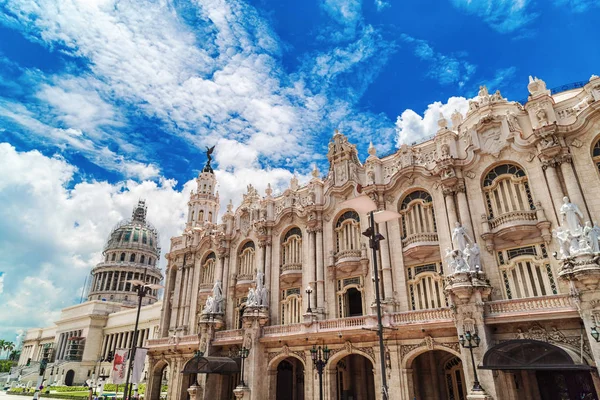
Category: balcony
[419,246]
[530,309]
[290,272]
[516,226]
[229,337]
[173,341]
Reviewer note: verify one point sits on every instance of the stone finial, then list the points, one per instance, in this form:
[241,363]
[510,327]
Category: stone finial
[230,206]
[442,122]
[294,183]
[315,172]
[537,86]
[372,150]
[268,190]
[336,132]
[483,91]
[457,119]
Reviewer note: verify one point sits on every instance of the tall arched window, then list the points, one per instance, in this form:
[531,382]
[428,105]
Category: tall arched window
[291,250]
[418,220]
[208,269]
[132,257]
[426,287]
[506,190]
[291,306]
[114,256]
[596,154]
[142,259]
[201,215]
[122,257]
[246,261]
[347,230]
[526,272]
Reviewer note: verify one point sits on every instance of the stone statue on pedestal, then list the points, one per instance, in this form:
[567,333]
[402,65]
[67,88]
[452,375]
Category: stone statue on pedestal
[214,303]
[460,237]
[258,297]
[571,217]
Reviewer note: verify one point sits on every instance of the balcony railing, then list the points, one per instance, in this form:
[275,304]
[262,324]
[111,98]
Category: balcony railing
[537,307]
[429,237]
[513,216]
[422,316]
[291,268]
[230,334]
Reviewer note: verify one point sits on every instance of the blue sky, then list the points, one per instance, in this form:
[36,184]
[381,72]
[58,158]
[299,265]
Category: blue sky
[103,102]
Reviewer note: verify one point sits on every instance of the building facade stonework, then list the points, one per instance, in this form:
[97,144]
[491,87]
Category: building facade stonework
[492,240]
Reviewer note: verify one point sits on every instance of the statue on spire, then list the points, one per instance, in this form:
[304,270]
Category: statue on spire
[207,167]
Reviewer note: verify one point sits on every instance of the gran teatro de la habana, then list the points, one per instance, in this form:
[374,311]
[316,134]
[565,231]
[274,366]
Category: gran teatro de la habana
[488,276]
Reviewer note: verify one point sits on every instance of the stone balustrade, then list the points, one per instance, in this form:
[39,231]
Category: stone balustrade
[547,307]
[437,315]
[232,334]
[282,329]
[420,238]
[291,267]
[513,216]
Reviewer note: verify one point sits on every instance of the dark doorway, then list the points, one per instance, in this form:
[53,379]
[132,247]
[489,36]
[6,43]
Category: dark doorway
[565,385]
[354,379]
[69,377]
[354,302]
[241,317]
[290,380]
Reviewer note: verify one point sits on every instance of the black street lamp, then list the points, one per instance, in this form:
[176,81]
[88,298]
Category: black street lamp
[243,353]
[320,356]
[471,341]
[142,288]
[308,292]
[365,205]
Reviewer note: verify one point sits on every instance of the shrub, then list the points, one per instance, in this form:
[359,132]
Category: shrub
[63,389]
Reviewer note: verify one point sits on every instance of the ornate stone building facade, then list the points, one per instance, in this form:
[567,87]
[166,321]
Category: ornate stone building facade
[491,240]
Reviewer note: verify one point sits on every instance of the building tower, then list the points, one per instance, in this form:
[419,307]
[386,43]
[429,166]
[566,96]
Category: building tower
[131,252]
[203,206]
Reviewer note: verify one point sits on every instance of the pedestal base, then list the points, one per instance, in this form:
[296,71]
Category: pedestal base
[195,392]
[242,393]
[479,396]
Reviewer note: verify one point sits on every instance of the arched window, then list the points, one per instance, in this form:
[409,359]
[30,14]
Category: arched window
[455,379]
[136,235]
[526,272]
[192,219]
[291,250]
[246,261]
[132,257]
[127,235]
[150,261]
[208,269]
[347,229]
[201,215]
[426,287]
[144,238]
[596,154]
[209,216]
[291,306]
[142,259]
[114,257]
[418,220]
[506,190]
[106,258]
[350,297]
[122,257]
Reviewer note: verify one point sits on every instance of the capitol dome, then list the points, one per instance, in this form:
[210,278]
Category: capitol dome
[131,253]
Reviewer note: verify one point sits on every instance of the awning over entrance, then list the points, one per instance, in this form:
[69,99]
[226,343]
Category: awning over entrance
[529,354]
[212,365]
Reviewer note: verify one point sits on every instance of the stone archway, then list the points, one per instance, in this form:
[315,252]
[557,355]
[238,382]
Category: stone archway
[433,374]
[287,378]
[158,376]
[351,377]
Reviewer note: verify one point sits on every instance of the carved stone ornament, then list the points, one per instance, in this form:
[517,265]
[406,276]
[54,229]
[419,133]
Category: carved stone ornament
[577,143]
[553,336]
[470,174]
[491,142]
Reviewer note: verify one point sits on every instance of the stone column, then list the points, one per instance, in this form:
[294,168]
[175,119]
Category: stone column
[312,268]
[572,184]
[176,298]
[269,269]
[554,186]
[450,209]
[254,320]
[463,209]
[188,297]
[386,268]
[260,257]
[320,271]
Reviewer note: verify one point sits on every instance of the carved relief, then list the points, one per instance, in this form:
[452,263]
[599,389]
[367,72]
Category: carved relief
[491,142]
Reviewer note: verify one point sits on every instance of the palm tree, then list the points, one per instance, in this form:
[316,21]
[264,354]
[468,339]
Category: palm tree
[3,344]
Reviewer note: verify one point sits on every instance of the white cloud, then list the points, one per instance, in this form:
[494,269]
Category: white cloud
[502,78]
[48,231]
[382,5]
[504,16]
[1,282]
[412,127]
[446,69]
[347,13]
[577,6]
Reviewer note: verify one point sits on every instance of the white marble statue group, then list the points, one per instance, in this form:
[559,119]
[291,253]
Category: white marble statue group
[214,303]
[573,237]
[465,257]
[258,297]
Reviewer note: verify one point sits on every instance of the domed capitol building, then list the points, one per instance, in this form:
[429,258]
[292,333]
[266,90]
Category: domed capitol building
[487,259]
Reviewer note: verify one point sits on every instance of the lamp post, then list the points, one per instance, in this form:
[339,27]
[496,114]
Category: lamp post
[471,341]
[320,356]
[308,292]
[364,205]
[141,288]
[595,334]
[243,353]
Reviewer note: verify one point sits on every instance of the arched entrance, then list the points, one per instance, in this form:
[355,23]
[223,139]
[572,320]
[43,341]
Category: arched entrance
[290,379]
[354,379]
[438,374]
[158,379]
[539,370]
[69,377]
